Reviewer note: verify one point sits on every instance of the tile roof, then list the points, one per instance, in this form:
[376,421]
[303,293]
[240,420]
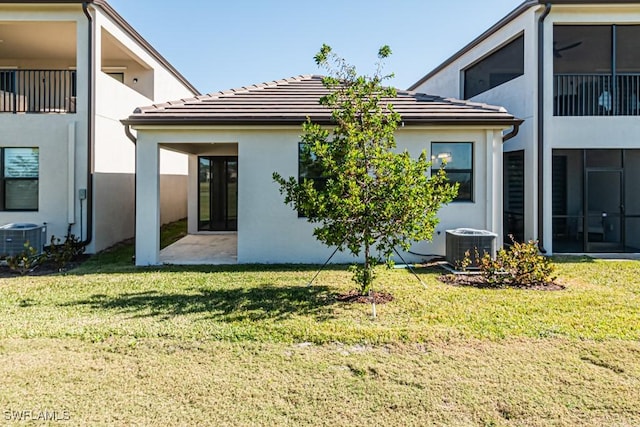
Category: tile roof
[291,101]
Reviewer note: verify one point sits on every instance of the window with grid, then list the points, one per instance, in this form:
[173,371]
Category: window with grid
[20,179]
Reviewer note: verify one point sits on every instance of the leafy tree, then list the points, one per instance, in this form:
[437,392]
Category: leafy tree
[370,199]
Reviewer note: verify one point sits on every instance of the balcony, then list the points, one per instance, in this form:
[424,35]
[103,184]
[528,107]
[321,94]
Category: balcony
[596,95]
[37,91]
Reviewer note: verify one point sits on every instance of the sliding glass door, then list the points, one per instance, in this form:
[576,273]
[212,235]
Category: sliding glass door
[218,193]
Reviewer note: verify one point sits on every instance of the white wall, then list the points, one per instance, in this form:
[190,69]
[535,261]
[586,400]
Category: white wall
[114,157]
[61,138]
[270,231]
[115,101]
[52,135]
[518,96]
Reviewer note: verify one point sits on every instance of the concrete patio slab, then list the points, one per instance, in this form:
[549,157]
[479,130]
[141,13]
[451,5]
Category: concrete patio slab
[202,249]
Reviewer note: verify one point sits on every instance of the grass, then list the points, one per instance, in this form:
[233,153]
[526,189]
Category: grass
[252,345]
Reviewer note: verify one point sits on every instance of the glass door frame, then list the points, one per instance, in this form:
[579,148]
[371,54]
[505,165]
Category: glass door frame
[230,223]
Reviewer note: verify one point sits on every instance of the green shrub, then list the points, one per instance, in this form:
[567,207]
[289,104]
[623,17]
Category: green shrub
[465,262]
[25,261]
[519,265]
[62,253]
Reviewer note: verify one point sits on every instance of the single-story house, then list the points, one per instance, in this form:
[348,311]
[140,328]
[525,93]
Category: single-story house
[236,139]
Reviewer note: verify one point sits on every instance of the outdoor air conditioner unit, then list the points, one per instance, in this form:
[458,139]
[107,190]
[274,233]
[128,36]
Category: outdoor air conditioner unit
[13,238]
[461,240]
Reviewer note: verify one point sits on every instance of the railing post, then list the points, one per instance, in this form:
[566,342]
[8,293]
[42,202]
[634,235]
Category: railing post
[14,90]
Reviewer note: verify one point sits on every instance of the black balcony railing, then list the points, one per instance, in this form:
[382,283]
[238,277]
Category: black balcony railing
[596,95]
[37,91]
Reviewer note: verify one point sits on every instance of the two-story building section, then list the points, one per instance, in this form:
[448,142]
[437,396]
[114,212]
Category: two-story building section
[571,69]
[69,70]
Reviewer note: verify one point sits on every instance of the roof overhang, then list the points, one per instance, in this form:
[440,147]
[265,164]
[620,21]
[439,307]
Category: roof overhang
[297,121]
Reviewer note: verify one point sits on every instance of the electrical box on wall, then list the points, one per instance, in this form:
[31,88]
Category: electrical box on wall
[82,193]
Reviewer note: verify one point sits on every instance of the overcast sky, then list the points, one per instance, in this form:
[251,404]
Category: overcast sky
[223,44]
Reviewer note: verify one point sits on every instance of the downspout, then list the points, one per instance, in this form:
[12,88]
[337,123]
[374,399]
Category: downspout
[132,138]
[544,15]
[90,71]
[512,133]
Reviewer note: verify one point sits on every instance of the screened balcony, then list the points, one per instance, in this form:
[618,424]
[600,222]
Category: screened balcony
[596,70]
[38,62]
[596,95]
[37,91]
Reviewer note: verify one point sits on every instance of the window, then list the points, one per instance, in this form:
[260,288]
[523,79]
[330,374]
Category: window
[309,167]
[117,76]
[20,176]
[458,157]
[501,66]
[513,188]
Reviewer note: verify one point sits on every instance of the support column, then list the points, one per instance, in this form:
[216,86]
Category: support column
[147,202]
[193,194]
[494,189]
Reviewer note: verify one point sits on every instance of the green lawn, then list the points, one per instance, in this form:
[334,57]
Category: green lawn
[252,345]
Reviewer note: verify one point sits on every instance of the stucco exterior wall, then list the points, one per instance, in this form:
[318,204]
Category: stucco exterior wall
[114,208]
[173,197]
[518,96]
[270,231]
[61,138]
[173,190]
[276,234]
[53,136]
[115,153]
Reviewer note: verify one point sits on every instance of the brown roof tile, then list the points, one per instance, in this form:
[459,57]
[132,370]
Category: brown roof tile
[292,100]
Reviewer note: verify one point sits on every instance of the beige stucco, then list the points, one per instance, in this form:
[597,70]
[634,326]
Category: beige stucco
[270,231]
[63,138]
[519,97]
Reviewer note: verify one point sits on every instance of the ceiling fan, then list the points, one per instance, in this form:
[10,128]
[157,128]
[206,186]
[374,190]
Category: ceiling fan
[557,50]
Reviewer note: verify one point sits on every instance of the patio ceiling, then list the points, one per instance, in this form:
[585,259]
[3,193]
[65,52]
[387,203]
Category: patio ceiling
[38,40]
